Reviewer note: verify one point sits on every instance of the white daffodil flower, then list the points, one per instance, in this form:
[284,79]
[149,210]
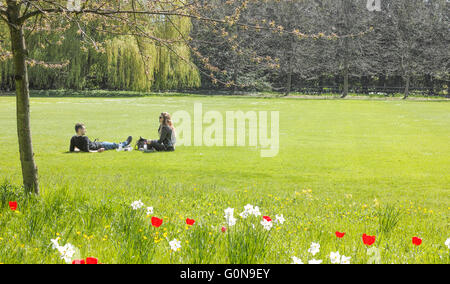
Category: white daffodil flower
[54,243]
[266,224]
[314,249]
[137,205]
[67,251]
[255,211]
[279,219]
[335,257]
[229,212]
[345,259]
[244,215]
[175,245]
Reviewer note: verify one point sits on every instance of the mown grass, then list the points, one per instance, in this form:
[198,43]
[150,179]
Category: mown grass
[374,167]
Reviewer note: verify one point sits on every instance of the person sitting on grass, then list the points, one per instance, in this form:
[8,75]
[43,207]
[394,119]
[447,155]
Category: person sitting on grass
[81,143]
[167,135]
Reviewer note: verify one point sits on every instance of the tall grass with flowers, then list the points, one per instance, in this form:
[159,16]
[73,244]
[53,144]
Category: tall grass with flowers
[111,230]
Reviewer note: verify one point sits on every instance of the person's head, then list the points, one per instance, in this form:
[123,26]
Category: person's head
[166,119]
[80,129]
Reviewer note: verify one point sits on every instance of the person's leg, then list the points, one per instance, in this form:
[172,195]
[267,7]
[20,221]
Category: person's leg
[112,146]
[157,146]
[109,145]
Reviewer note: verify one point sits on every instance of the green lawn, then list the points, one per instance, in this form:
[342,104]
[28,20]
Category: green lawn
[359,158]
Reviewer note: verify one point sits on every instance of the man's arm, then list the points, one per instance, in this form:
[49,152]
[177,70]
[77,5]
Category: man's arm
[86,140]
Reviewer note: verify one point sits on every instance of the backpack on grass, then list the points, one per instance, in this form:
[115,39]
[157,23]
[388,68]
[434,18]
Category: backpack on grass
[140,144]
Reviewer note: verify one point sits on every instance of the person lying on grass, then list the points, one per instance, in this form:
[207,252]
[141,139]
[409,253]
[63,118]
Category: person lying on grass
[167,135]
[81,143]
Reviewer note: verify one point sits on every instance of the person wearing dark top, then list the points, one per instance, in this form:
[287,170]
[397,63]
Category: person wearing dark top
[81,143]
[167,135]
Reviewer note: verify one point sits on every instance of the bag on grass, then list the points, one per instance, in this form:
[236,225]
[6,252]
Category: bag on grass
[140,144]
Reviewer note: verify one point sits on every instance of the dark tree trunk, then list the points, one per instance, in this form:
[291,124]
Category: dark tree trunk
[382,83]
[448,89]
[346,68]
[235,77]
[320,85]
[429,84]
[290,58]
[365,84]
[29,169]
[345,90]
[407,87]
[288,84]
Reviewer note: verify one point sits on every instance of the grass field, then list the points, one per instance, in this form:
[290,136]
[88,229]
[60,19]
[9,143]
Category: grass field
[376,167]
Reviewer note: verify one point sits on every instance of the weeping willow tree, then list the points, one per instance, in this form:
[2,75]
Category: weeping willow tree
[173,69]
[125,68]
[126,63]
[129,59]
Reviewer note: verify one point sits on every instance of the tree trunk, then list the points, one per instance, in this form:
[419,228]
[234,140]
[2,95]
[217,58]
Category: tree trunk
[429,84]
[235,77]
[382,83]
[407,87]
[365,81]
[345,91]
[29,169]
[289,80]
[290,69]
[346,25]
[346,67]
[320,86]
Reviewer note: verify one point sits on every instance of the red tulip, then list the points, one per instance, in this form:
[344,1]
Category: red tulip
[190,222]
[91,260]
[416,241]
[340,235]
[368,240]
[13,205]
[156,222]
[78,261]
[267,218]
[224,229]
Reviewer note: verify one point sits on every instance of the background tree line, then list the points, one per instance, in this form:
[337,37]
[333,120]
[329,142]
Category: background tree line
[401,49]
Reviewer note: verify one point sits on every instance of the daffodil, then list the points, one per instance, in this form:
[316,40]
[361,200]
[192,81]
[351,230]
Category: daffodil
[335,257]
[345,259]
[279,219]
[314,249]
[175,245]
[267,224]
[447,243]
[137,205]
